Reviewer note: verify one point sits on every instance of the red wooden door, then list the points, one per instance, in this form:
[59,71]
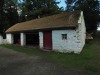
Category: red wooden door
[47,40]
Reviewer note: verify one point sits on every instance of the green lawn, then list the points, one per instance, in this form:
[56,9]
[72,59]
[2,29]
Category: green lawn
[89,59]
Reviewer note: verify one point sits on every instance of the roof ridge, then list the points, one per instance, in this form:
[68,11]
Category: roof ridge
[65,19]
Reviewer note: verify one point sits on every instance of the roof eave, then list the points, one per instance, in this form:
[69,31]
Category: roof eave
[46,29]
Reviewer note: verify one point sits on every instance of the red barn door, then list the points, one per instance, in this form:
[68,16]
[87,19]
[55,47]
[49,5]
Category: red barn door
[47,40]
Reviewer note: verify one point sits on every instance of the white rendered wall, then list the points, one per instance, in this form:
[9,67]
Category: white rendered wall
[9,38]
[61,45]
[41,39]
[75,38]
[1,39]
[23,39]
[81,32]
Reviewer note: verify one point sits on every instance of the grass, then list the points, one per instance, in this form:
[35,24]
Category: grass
[88,60]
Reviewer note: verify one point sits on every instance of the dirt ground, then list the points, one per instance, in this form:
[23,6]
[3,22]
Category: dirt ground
[15,63]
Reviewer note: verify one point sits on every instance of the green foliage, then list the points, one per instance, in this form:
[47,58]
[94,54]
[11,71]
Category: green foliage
[8,14]
[30,9]
[90,9]
[10,9]
[39,8]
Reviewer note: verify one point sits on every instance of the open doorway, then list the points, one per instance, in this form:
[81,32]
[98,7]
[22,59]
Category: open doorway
[16,38]
[32,39]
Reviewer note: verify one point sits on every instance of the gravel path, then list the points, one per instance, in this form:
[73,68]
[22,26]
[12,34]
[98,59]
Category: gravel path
[15,63]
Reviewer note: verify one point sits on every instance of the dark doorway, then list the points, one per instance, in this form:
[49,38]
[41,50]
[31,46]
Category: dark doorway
[16,38]
[32,39]
[47,40]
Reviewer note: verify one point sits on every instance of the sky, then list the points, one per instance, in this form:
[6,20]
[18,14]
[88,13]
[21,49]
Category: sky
[62,3]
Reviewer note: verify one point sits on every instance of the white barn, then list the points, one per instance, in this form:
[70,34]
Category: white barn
[64,32]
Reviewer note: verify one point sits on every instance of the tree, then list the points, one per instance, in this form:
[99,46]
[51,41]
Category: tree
[70,5]
[30,9]
[90,9]
[8,15]
[39,8]
[10,9]
[1,15]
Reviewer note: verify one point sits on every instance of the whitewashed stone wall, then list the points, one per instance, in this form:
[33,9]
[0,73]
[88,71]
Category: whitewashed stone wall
[68,45]
[1,39]
[23,39]
[75,38]
[81,32]
[9,38]
[74,43]
[41,39]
